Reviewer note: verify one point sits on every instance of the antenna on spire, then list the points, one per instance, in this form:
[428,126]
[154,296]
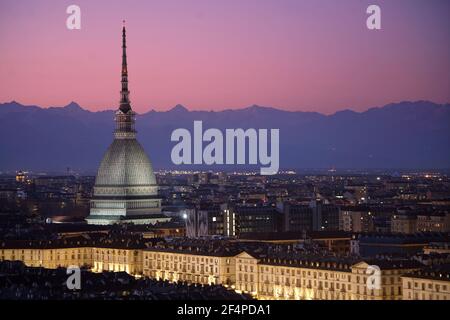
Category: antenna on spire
[123,23]
[124,93]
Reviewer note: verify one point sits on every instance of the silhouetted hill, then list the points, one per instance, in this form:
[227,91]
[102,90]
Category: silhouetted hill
[400,135]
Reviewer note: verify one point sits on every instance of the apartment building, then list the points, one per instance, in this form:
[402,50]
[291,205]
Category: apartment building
[265,274]
[311,278]
[432,283]
[192,266]
[51,254]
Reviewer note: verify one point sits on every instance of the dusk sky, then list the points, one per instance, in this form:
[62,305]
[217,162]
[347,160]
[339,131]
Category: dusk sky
[306,55]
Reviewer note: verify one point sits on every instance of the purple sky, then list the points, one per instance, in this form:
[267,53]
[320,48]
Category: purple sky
[309,55]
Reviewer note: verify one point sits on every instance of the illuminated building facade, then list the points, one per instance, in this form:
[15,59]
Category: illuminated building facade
[21,177]
[288,279]
[263,277]
[190,267]
[430,284]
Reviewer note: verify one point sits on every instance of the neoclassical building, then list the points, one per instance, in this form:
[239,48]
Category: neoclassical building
[125,188]
[432,283]
[317,279]
[264,277]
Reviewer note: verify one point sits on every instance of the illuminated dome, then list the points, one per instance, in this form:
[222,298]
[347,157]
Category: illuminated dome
[125,164]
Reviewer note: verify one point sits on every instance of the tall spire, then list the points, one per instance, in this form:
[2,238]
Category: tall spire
[124,116]
[124,93]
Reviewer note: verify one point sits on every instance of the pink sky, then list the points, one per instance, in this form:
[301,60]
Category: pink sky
[309,55]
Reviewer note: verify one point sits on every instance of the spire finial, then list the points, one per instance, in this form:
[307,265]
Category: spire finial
[124,93]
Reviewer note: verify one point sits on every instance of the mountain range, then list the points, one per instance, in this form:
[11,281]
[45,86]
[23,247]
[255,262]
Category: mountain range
[408,135]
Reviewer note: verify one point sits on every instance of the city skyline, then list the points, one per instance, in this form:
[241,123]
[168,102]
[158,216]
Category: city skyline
[320,56]
[261,199]
[286,237]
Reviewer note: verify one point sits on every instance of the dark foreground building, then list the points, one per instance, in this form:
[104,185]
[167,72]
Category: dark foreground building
[18,282]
